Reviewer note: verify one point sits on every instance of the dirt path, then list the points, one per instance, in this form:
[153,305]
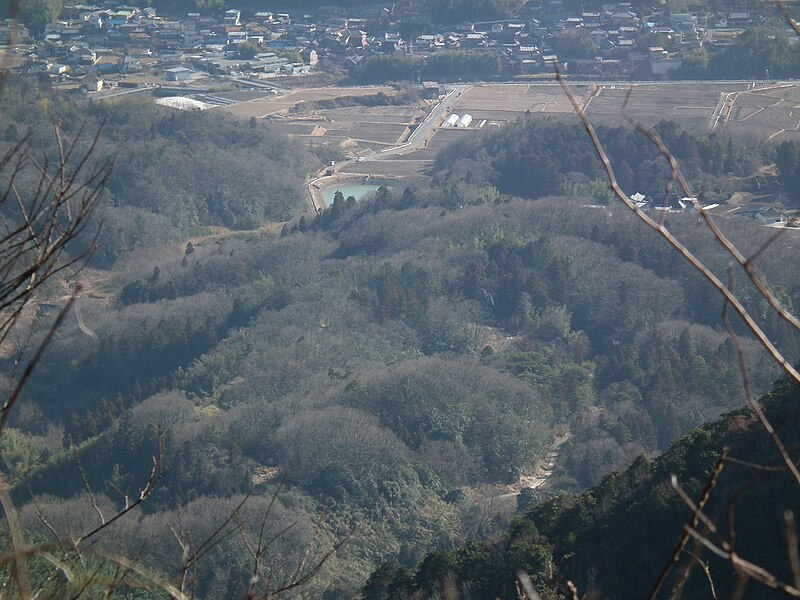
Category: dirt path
[499,499]
[541,471]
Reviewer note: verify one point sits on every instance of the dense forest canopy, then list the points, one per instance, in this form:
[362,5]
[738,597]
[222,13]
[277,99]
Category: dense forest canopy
[174,173]
[390,358]
[612,540]
[532,159]
[443,66]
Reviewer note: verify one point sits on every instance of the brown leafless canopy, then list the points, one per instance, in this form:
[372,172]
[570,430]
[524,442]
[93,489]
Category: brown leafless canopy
[46,209]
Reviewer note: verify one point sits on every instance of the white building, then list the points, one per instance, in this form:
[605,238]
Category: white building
[178,74]
[464,121]
[232,17]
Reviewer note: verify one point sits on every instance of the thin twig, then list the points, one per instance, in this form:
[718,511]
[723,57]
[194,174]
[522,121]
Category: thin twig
[787,17]
[573,590]
[17,541]
[214,538]
[747,568]
[754,466]
[791,545]
[679,547]
[776,440]
[695,262]
[747,264]
[29,368]
[707,571]
[156,473]
[88,487]
[44,520]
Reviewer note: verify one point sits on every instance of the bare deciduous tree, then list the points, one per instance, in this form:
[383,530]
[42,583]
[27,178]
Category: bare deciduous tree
[45,207]
[700,529]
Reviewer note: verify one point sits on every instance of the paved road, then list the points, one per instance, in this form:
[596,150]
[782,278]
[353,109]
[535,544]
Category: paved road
[416,140]
[419,137]
[102,95]
[627,83]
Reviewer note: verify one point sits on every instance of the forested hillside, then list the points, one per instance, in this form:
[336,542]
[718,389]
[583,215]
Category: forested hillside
[613,540]
[378,366]
[174,172]
[533,159]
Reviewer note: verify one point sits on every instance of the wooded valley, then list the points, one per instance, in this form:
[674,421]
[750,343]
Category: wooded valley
[365,375]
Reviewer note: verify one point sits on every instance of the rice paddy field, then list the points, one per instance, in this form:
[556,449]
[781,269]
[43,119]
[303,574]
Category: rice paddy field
[760,111]
[755,111]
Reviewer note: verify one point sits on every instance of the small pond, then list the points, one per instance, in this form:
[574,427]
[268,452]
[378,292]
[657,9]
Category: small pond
[358,190]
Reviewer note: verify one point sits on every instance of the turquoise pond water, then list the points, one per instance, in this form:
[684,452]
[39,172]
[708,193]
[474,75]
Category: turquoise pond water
[359,190]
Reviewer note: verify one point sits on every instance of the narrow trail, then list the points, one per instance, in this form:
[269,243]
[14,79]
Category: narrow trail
[542,471]
[499,495]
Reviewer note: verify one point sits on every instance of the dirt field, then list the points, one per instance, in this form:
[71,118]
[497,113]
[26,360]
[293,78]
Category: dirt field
[270,104]
[762,112]
[765,112]
[484,102]
[358,130]
[692,107]
[386,133]
[772,113]
[390,168]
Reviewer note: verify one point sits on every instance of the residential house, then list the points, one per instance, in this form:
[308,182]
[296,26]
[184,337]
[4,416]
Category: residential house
[309,56]
[355,38]
[771,215]
[720,38]
[232,17]
[591,19]
[92,83]
[598,36]
[661,62]
[264,17]
[625,18]
[740,19]
[431,90]
[475,39]
[11,30]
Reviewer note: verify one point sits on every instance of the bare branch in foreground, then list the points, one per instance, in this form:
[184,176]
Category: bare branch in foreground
[787,17]
[747,263]
[741,566]
[681,545]
[44,209]
[156,473]
[17,541]
[791,545]
[790,464]
[694,261]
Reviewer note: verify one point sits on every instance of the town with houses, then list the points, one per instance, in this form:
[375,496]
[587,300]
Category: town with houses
[109,45]
[110,49]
